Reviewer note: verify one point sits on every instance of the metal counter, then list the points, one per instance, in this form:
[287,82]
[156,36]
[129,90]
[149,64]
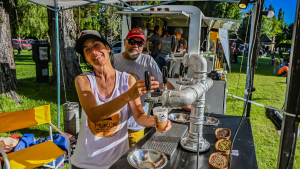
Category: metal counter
[184,159]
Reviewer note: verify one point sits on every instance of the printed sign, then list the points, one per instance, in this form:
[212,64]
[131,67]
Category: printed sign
[44,72]
[43,53]
[223,34]
[108,127]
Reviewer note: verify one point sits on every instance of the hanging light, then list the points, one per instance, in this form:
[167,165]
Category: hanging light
[243,4]
[269,14]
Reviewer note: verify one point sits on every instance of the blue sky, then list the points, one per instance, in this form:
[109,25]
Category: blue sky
[288,7]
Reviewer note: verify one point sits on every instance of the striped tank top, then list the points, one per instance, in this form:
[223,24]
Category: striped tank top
[100,145]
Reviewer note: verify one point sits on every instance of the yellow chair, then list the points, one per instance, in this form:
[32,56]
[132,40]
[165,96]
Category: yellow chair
[37,155]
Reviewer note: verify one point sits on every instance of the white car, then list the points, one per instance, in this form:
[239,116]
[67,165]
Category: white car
[116,47]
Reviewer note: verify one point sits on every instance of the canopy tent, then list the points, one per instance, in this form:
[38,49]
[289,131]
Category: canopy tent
[55,5]
[266,40]
[72,3]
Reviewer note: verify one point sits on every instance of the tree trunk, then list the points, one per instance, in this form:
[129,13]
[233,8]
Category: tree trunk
[70,67]
[8,78]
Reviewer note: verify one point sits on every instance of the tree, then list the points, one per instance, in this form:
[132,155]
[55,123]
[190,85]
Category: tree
[271,8]
[244,26]
[289,31]
[281,16]
[70,67]
[8,79]
[216,9]
[101,18]
[32,20]
[110,24]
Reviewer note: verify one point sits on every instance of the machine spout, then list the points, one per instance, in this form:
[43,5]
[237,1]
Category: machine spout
[186,95]
[198,63]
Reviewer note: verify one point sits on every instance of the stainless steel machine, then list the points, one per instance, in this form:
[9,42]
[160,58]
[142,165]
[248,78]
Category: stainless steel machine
[190,92]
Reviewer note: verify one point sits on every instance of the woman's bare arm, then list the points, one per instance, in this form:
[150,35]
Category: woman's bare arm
[137,110]
[138,113]
[104,111]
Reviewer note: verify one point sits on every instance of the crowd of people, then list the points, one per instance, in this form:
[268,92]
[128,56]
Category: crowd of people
[111,95]
[281,65]
[165,44]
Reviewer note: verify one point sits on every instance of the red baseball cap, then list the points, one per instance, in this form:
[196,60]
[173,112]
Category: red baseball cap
[135,33]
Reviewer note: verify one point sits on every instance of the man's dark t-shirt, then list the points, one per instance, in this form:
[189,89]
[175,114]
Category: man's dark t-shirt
[155,40]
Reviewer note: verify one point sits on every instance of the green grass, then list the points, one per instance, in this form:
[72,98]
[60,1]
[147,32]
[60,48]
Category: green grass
[270,91]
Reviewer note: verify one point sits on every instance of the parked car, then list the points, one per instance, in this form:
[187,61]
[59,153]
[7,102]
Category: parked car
[25,44]
[15,44]
[31,41]
[42,41]
[116,47]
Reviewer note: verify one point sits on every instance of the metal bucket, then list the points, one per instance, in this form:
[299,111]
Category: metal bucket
[71,118]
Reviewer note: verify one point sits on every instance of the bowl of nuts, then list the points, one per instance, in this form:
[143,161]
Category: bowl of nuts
[223,133]
[218,160]
[223,146]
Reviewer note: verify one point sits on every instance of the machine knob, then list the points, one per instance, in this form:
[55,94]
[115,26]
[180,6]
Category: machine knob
[147,81]
[165,74]
[181,72]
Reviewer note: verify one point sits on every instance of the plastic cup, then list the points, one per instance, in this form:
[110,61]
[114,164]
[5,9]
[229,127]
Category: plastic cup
[160,118]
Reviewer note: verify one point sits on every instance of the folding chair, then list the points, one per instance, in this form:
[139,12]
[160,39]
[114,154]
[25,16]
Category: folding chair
[37,155]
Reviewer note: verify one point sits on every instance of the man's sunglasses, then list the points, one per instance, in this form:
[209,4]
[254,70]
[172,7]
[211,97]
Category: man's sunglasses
[133,42]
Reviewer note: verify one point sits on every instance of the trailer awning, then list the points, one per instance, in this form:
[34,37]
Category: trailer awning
[61,3]
[220,23]
[159,14]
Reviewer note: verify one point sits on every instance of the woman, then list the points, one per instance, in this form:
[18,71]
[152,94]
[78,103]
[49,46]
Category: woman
[155,40]
[105,96]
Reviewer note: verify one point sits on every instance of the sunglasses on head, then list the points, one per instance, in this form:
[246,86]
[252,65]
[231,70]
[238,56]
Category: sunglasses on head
[133,42]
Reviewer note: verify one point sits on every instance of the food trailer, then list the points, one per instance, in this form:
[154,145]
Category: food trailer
[196,30]
[246,157]
[179,145]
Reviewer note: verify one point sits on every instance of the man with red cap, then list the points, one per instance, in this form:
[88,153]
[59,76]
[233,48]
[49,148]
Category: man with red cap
[134,62]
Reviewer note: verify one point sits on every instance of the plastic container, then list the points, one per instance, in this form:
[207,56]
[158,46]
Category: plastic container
[223,78]
[181,48]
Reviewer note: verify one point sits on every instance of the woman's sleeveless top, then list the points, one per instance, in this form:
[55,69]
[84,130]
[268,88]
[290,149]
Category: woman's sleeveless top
[100,145]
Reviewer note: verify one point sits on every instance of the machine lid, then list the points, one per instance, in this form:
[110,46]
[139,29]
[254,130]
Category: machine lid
[158,14]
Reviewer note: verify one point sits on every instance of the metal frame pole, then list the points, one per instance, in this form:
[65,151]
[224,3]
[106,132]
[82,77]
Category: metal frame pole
[254,8]
[57,62]
[289,129]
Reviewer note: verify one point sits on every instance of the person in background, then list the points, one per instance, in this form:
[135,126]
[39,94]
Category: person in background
[284,70]
[280,51]
[165,34]
[167,46]
[277,64]
[181,41]
[235,54]
[272,60]
[134,62]
[155,40]
[20,46]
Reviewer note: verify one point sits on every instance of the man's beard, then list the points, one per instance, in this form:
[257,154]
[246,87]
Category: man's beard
[133,55]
